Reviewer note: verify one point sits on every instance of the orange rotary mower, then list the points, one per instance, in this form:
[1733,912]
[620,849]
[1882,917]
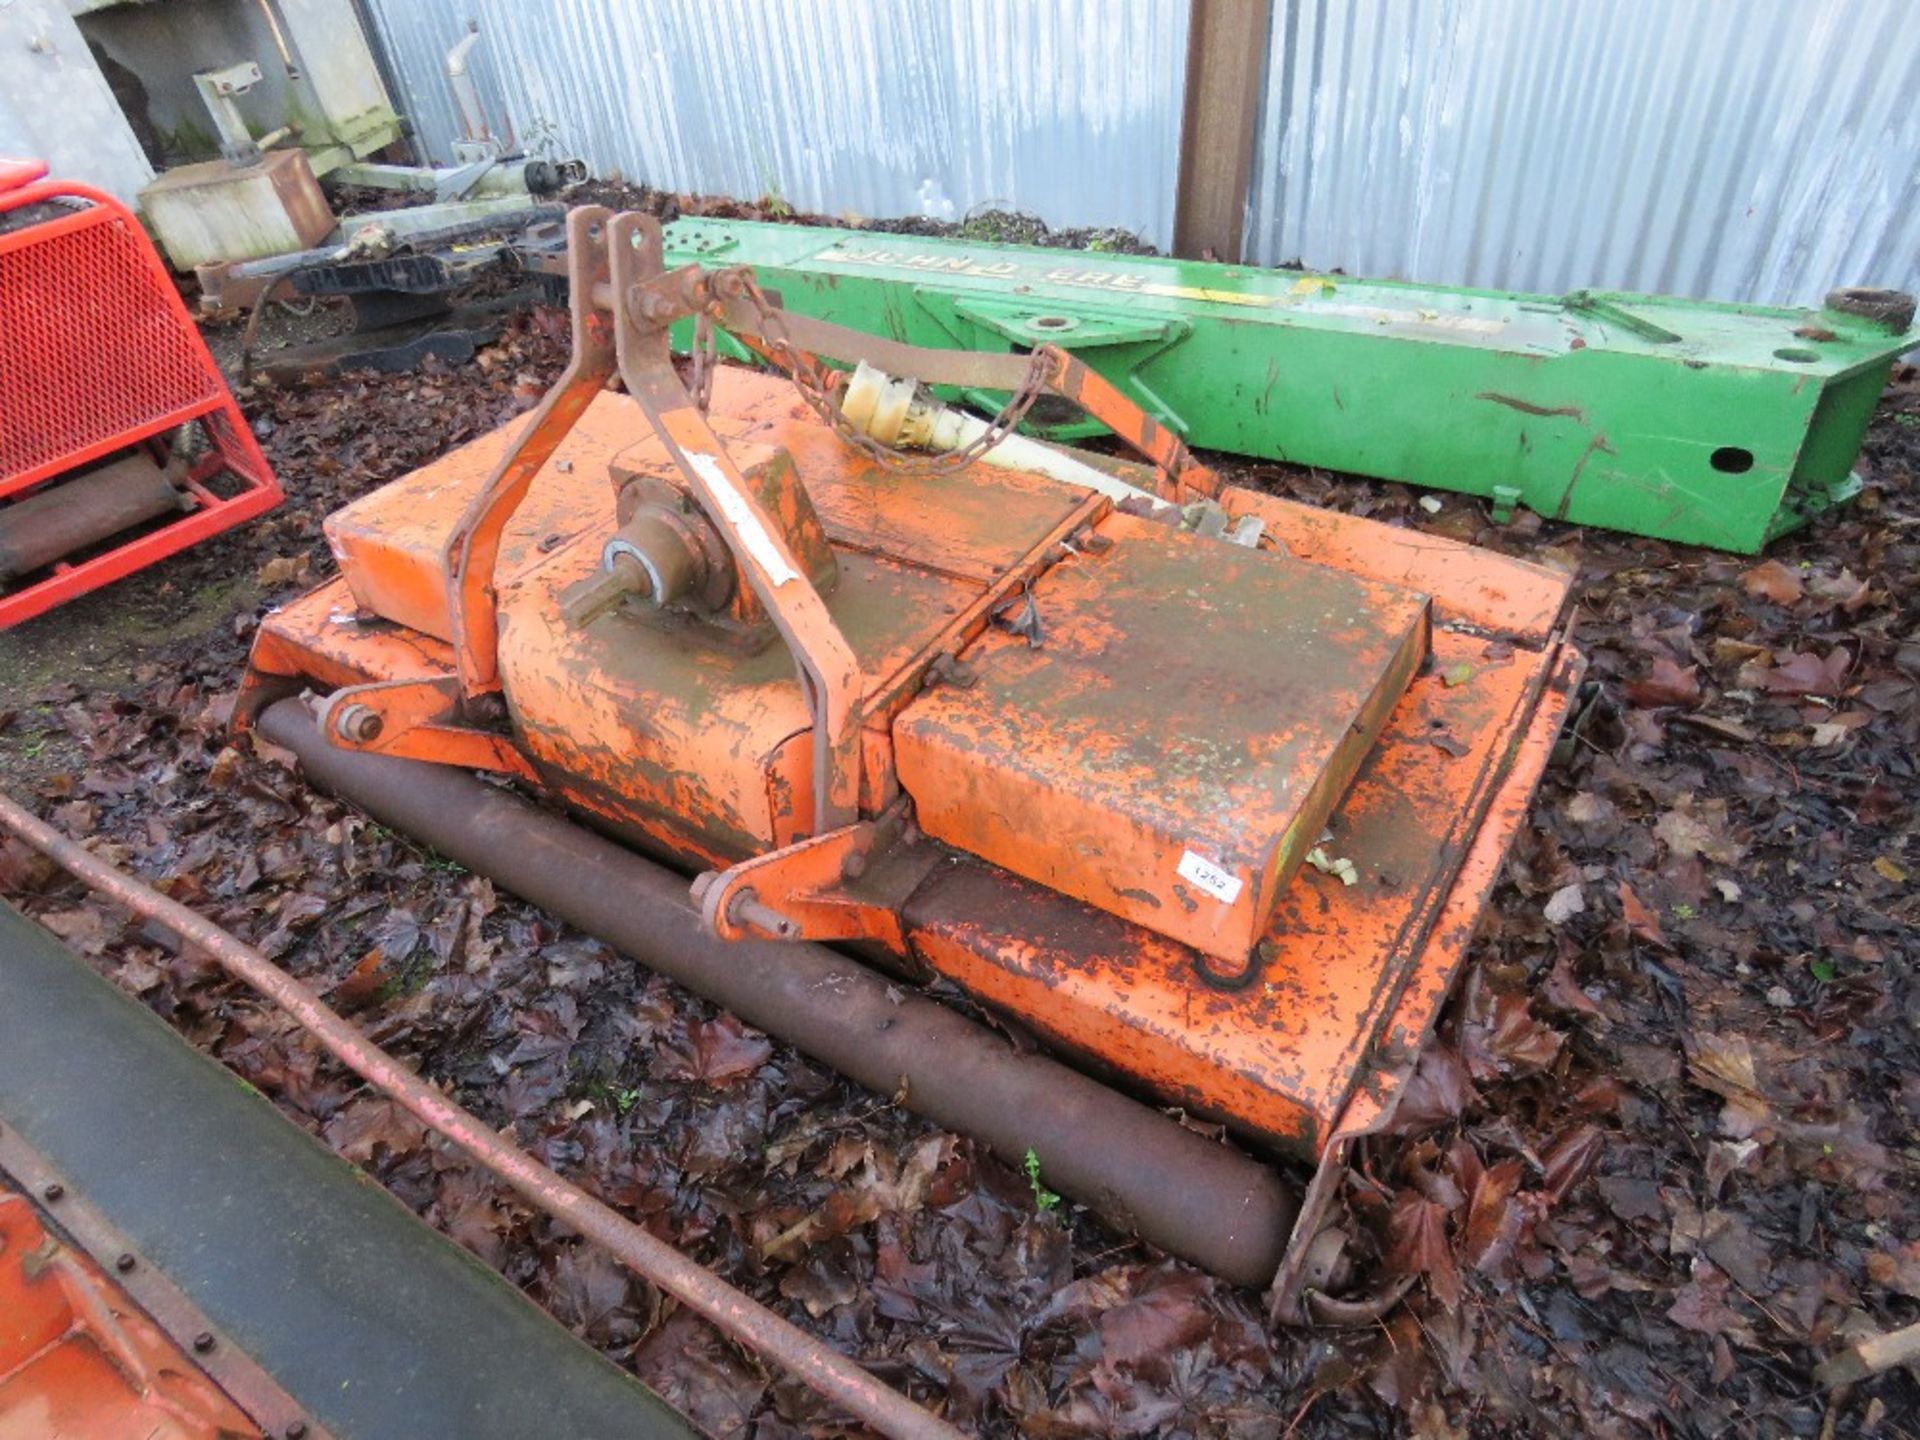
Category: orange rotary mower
[119,441]
[1204,788]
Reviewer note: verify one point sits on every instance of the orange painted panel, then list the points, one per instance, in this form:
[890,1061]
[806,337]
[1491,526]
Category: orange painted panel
[1171,747]
[79,1358]
[1279,1057]
[389,542]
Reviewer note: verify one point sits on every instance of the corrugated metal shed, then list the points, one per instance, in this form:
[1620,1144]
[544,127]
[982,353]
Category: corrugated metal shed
[1067,109]
[1734,149]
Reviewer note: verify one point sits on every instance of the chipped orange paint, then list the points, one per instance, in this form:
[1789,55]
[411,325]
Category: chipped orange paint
[419,721]
[1514,598]
[1281,1056]
[812,880]
[1186,696]
[388,542]
[1191,714]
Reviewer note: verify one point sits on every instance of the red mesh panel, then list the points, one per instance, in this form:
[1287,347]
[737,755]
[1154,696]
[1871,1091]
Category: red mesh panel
[97,355]
[90,346]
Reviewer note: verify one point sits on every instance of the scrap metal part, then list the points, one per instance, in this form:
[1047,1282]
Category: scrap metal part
[1712,424]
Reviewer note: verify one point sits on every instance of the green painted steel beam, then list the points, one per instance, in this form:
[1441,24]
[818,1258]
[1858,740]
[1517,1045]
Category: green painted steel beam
[1722,425]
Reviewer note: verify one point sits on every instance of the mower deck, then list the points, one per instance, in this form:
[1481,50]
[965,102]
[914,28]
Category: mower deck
[1395,694]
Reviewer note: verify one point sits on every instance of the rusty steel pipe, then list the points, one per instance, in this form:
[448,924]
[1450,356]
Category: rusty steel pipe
[1136,1167]
[69,515]
[823,1369]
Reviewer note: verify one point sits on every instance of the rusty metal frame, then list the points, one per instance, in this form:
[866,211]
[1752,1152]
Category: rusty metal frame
[474,546]
[624,303]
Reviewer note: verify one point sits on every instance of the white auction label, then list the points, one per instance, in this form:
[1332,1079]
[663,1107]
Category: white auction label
[1210,877]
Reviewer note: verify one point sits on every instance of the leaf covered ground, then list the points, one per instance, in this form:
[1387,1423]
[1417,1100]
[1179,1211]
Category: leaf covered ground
[1660,1159]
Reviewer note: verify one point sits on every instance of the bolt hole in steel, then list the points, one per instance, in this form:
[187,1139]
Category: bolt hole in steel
[1794,355]
[1731,460]
[1054,322]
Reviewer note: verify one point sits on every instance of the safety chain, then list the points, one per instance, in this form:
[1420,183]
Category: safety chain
[820,387]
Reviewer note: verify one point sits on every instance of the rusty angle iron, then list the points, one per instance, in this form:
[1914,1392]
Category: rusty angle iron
[1215,818]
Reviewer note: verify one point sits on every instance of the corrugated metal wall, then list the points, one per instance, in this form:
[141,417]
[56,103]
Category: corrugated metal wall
[1735,149]
[1068,109]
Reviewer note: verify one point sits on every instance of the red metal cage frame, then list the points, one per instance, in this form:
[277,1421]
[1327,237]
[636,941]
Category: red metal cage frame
[97,288]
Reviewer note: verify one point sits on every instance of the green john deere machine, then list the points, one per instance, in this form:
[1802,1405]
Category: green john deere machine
[1712,424]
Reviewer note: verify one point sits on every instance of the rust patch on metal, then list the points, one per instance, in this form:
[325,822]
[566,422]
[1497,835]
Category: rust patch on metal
[1527,407]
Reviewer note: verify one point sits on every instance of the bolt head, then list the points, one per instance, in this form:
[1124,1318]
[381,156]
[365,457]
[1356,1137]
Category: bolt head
[124,1261]
[360,724]
[203,1342]
[54,1191]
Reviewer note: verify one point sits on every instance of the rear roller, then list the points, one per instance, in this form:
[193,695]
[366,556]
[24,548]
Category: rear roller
[1135,1167]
